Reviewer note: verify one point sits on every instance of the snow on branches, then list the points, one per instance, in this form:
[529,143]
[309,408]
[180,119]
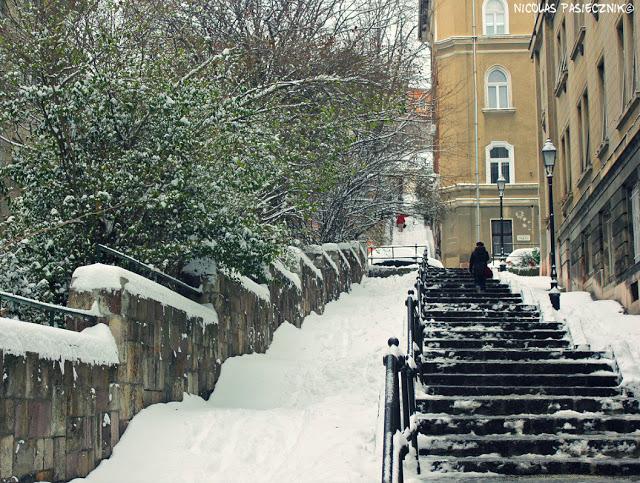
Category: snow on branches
[174,130]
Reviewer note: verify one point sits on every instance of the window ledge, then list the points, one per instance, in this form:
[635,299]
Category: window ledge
[628,109]
[586,175]
[506,110]
[565,203]
[561,82]
[603,148]
[578,46]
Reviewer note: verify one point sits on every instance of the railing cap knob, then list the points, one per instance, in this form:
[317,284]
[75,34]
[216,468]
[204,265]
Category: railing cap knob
[411,292]
[393,341]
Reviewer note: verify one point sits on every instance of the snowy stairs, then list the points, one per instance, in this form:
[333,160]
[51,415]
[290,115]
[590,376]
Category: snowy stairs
[505,394]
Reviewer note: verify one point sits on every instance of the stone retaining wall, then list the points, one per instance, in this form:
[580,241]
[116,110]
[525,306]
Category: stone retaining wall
[58,419]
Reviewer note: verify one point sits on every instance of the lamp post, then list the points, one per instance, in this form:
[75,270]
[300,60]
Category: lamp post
[549,158]
[501,183]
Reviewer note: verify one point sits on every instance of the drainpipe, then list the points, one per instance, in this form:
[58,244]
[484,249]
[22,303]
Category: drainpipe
[474,34]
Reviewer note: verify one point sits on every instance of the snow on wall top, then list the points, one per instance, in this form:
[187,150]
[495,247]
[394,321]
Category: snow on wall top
[94,345]
[302,256]
[109,277]
[294,278]
[331,247]
[258,289]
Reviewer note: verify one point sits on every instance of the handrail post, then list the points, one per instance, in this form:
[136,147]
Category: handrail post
[419,294]
[410,322]
[391,461]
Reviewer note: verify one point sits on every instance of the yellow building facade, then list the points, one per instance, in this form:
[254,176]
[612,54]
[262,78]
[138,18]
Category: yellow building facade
[586,64]
[484,87]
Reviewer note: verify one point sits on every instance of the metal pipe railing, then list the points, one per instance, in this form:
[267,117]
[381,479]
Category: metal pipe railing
[393,249]
[47,308]
[391,453]
[104,252]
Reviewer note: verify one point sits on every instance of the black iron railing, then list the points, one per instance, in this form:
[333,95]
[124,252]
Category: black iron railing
[395,252]
[394,448]
[400,427]
[105,253]
[30,310]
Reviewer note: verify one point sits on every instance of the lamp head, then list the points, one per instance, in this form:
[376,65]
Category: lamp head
[549,157]
[501,183]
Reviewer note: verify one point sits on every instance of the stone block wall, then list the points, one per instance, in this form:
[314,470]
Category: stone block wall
[59,419]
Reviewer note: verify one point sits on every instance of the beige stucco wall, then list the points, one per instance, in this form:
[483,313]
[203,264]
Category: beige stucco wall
[578,190]
[454,18]
[453,69]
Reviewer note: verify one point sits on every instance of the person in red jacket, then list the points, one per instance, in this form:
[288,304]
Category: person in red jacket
[401,222]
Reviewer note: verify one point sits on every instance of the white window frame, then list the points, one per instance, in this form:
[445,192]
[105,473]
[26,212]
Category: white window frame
[505,9]
[506,73]
[511,160]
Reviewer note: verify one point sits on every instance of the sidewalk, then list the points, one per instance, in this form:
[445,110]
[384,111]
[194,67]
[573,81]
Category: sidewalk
[600,324]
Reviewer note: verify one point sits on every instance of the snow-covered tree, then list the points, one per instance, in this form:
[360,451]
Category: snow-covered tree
[173,130]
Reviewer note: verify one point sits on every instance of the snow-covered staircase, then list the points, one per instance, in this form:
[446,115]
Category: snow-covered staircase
[505,393]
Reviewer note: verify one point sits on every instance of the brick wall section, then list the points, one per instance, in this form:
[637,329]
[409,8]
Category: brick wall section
[57,424]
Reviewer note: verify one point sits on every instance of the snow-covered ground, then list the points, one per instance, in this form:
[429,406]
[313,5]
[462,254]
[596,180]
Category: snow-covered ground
[600,324]
[306,411]
[404,242]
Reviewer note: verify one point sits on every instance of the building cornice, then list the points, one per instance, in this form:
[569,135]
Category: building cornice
[493,202]
[483,41]
[487,187]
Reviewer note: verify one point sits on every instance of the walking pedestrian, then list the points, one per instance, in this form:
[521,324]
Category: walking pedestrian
[478,266]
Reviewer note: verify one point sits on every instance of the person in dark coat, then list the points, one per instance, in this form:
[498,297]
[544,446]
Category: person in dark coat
[478,265]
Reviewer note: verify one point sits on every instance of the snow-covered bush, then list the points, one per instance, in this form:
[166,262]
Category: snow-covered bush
[177,130]
[524,261]
[120,150]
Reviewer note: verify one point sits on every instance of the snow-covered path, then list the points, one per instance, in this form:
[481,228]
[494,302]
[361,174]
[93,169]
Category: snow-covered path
[306,411]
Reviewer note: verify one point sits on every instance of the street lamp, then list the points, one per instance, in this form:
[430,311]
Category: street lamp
[549,158]
[501,183]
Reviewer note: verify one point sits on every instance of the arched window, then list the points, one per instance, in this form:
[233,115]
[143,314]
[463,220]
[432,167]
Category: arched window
[497,89]
[500,159]
[496,17]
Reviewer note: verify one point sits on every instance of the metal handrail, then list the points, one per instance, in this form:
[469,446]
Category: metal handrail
[410,371]
[400,399]
[51,309]
[391,453]
[401,257]
[150,272]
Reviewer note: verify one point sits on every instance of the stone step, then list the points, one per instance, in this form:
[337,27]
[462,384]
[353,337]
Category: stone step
[485,320]
[507,446]
[470,292]
[443,285]
[479,318]
[488,309]
[569,422]
[513,354]
[452,366]
[526,404]
[435,291]
[603,379]
[462,333]
[478,299]
[474,391]
[493,325]
[487,343]
[532,465]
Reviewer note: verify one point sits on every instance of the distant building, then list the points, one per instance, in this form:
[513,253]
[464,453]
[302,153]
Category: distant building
[589,105]
[470,156]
